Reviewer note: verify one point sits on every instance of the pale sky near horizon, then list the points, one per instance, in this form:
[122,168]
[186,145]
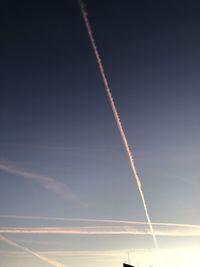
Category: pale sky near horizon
[61,155]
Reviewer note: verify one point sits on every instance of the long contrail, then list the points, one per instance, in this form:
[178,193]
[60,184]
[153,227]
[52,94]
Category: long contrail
[117,118]
[33,253]
[109,221]
[160,230]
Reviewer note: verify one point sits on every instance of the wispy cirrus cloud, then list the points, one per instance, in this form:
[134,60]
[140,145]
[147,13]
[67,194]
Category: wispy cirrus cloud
[49,183]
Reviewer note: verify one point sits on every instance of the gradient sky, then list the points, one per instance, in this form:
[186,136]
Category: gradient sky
[60,151]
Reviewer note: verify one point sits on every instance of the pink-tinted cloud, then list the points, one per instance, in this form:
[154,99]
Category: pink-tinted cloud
[137,229]
[49,183]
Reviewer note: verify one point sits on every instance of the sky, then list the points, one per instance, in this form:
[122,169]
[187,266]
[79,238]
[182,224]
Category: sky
[67,195]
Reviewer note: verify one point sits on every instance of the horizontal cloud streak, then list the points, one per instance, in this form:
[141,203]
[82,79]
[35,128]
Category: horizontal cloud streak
[78,253]
[107,221]
[47,182]
[172,256]
[101,253]
[161,230]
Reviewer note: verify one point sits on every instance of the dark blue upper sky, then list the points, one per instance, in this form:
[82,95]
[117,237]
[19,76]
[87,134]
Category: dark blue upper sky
[56,121]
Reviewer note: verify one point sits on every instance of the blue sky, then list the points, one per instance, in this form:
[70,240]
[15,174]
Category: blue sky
[61,155]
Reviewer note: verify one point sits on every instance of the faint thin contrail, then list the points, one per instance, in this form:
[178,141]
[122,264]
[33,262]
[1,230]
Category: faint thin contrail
[29,251]
[71,253]
[117,118]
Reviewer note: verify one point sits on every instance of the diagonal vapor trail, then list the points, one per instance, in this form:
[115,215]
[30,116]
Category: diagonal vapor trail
[33,253]
[117,118]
